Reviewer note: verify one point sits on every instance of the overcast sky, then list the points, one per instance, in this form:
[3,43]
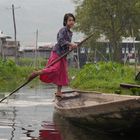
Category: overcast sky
[44,15]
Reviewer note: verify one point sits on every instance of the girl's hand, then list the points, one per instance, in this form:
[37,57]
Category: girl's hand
[33,75]
[72,46]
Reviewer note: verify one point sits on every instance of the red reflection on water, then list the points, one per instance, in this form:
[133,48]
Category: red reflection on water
[49,132]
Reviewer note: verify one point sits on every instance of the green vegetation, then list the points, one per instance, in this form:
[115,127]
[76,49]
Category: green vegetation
[104,77]
[11,75]
[135,91]
[31,62]
[112,18]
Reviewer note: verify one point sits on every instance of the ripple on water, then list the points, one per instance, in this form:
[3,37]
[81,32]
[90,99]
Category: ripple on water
[23,103]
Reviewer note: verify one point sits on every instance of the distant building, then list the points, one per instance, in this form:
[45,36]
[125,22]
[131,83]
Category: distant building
[3,38]
[42,51]
[128,45]
[10,48]
[7,47]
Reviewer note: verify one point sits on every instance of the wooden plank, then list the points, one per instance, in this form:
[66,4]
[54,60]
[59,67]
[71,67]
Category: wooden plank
[128,86]
[69,95]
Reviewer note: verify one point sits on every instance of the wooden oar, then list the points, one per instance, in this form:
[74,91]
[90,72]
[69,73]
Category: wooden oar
[55,61]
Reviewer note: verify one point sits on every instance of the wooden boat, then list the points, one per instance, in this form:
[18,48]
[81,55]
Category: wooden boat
[110,112]
[73,131]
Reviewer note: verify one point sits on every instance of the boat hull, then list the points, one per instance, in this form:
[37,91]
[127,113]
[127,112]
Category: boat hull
[110,112]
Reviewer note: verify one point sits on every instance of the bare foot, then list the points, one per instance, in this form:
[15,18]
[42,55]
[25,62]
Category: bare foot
[58,94]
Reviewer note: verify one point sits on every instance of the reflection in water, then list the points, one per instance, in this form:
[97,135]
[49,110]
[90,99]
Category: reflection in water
[30,117]
[13,125]
[71,131]
[49,132]
[61,129]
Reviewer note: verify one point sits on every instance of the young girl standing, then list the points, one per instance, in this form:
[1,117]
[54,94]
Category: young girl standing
[57,73]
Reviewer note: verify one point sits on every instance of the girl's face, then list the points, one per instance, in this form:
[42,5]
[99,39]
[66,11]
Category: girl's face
[70,22]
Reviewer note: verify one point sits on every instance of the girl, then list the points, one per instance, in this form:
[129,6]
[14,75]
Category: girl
[57,73]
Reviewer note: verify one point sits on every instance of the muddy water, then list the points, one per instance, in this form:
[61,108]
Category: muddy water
[29,115]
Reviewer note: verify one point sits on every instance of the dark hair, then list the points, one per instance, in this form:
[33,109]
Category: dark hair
[66,16]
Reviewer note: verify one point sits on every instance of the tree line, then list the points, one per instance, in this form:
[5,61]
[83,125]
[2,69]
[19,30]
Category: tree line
[112,18]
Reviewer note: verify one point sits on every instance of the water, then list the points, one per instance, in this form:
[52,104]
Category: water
[30,115]
[26,113]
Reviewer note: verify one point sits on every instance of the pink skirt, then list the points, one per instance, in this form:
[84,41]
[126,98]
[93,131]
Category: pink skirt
[57,73]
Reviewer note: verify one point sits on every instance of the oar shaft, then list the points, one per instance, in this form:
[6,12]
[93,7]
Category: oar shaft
[14,91]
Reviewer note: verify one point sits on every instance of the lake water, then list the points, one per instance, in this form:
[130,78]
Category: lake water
[30,115]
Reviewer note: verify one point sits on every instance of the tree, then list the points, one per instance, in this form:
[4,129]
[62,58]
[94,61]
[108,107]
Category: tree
[112,18]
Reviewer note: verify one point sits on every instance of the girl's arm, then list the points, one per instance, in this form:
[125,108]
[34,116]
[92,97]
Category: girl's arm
[63,42]
[61,38]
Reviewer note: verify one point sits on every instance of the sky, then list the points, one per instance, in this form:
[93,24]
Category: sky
[44,15]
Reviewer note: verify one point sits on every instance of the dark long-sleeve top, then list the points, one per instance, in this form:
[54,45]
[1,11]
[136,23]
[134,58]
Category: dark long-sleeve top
[64,38]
